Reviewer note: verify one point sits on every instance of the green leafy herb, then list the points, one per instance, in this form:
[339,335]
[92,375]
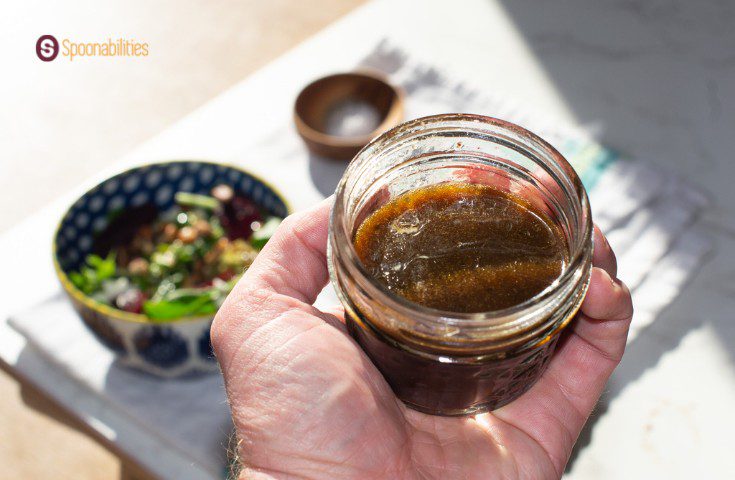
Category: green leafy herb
[261,236]
[183,263]
[193,200]
[182,302]
[89,278]
[183,307]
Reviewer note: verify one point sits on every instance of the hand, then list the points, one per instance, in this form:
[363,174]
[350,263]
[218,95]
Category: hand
[308,404]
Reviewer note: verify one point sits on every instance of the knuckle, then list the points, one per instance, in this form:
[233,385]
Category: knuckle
[608,298]
[292,222]
[298,233]
[230,316]
[291,227]
[218,328]
[235,322]
[627,302]
[613,257]
[622,308]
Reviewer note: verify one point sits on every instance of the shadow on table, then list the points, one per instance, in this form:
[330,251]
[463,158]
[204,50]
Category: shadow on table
[43,403]
[40,402]
[189,412]
[650,74]
[699,304]
[326,173]
[626,68]
[189,415]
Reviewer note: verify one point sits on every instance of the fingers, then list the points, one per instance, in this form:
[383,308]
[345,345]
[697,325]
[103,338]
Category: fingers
[603,255]
[554,411]
[605,315]
[607,308]
[607,298]
[292,374]
[591,351]
[286,275]
[293,262]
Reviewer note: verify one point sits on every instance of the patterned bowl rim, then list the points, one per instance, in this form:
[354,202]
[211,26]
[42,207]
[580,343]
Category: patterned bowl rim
[109,311]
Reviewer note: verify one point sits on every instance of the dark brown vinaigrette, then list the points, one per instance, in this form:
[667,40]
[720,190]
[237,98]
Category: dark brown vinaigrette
[461,247]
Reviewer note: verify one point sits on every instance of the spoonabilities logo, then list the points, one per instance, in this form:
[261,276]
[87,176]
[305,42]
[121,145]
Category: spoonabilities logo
[47,47]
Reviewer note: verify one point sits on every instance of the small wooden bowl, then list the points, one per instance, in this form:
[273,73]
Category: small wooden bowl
[317,101]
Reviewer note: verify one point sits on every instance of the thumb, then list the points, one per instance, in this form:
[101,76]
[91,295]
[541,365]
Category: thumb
[286,275]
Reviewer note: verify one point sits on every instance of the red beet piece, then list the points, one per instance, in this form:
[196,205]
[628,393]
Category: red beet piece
[237,217]
[131,300]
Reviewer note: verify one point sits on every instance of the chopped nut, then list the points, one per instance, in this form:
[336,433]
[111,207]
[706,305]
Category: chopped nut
[203,227]
[210,257]
[221,244]
[188,234]
[169,232]
[223,193]
[138,266]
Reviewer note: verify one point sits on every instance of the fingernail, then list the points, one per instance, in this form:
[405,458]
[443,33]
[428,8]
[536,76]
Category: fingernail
[613,281]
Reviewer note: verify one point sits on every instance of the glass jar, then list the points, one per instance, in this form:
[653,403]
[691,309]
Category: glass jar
[449,363]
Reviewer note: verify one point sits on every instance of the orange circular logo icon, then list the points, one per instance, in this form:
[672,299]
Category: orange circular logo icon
[47,47]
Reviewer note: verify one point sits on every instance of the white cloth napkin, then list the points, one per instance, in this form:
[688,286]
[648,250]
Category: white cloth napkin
[190,414]
[646,213]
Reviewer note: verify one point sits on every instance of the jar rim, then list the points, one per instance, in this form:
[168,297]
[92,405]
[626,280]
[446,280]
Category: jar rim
[508,318]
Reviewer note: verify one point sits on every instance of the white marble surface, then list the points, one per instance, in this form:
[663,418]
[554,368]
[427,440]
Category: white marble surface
[655,80]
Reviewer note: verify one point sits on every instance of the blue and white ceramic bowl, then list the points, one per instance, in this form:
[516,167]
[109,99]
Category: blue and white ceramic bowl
[173,347]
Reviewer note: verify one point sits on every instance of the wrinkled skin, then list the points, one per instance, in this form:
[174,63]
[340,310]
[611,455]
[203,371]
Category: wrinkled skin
[308,404]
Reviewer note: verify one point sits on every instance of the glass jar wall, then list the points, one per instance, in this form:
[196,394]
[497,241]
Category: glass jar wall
[444,362]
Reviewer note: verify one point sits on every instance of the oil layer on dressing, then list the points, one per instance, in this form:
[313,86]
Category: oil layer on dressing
[461,247]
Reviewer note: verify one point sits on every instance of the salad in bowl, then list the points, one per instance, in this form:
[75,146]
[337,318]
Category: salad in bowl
[149,255]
